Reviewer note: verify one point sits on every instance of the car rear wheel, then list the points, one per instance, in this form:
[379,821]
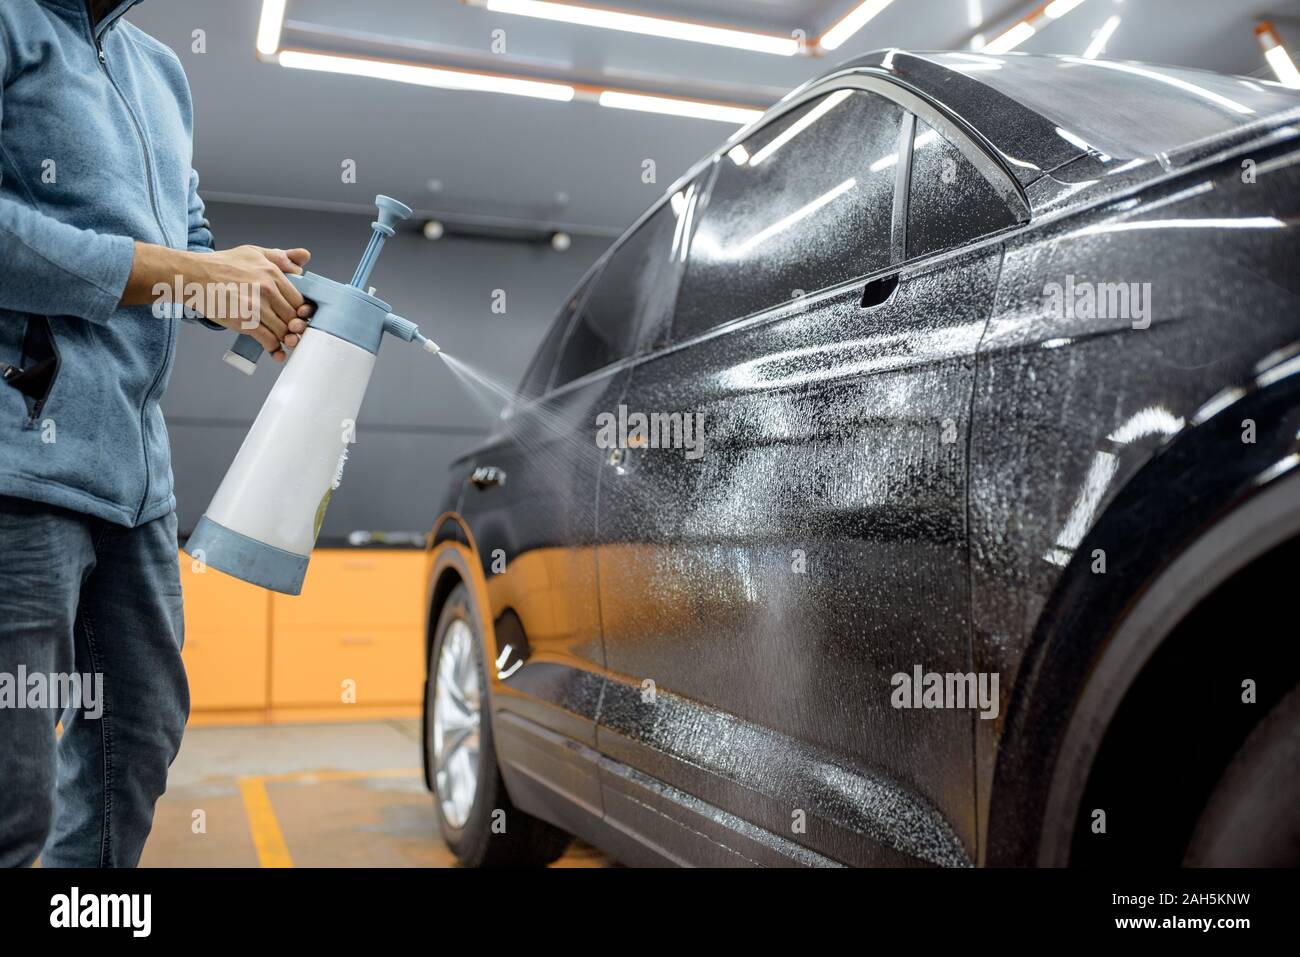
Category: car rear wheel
[478,822]
[1253,816]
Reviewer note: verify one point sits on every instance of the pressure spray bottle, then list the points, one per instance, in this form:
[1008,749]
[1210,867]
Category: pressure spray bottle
[262,524]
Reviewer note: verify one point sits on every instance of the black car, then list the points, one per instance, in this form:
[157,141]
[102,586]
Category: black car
[918,482]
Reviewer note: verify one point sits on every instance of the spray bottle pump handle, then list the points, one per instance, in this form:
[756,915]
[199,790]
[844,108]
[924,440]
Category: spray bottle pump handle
[246,350]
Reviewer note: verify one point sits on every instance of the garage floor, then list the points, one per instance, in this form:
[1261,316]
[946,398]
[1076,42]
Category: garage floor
[332,795]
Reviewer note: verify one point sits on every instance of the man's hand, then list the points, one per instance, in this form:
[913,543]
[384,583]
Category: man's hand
[243,289]
[292,262]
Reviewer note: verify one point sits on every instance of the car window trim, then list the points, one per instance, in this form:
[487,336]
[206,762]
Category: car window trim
[902,179]
[585,287]
[867,79]
[951,128]
[902,190]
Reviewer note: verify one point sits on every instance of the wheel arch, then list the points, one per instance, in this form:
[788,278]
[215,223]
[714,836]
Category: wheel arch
[1173,536]
[453,561]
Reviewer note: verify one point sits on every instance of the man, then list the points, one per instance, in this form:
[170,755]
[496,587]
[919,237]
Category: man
[99,210]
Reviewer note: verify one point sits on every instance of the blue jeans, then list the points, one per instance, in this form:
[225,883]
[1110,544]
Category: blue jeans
[79,595]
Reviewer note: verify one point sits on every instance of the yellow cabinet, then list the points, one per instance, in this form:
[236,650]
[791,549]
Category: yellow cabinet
[355,636]
[227,634]
[344,666]
[377,589]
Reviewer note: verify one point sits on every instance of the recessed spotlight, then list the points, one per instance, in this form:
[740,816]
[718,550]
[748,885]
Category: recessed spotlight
[433,229]
[561,241]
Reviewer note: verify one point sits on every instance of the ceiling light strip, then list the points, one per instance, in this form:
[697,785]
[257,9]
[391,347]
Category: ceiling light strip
[419,75]
[1101,38]
[667,28]
[1277,56]
[446,79]
[672,106]
[853,21]
[1030,24]
[269,27]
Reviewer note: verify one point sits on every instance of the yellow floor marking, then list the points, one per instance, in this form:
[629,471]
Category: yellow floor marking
[271,849]
[262,823]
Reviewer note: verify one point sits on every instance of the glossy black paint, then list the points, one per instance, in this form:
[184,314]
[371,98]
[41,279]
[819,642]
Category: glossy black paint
[700,650]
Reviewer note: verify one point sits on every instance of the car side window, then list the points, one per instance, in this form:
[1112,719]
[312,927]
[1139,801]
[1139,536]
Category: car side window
[631,301]
[950,201]
[538,377]
[804,203]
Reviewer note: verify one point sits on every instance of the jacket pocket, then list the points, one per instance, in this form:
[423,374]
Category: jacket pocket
[38,370]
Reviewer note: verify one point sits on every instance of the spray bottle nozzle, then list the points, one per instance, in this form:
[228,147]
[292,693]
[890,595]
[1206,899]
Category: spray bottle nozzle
[408,331]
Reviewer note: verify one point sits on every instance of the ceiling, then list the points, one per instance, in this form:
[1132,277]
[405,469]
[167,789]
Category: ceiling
[268,134]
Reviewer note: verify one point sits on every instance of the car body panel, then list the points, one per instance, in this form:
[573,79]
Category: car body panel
[671,688]
[1071,411]
[836,446]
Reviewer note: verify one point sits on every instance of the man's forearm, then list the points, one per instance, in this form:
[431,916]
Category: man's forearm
[154,265]
[245,289]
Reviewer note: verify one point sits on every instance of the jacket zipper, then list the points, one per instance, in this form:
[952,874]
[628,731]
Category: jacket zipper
[144,408]
[139,135]
[157,215]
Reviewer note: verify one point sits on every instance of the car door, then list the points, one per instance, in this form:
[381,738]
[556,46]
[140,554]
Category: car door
[530,500]
[761,591]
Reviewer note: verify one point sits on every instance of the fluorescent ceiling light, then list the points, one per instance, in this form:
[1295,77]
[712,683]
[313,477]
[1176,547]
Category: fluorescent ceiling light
[649,26]
[674,107]
[851,23]
[1101,38]
[807,120]
[270,26]
[1011,39]
[1023,29]
[1276,55]
[425,75]
[1059,8]
[1283,66]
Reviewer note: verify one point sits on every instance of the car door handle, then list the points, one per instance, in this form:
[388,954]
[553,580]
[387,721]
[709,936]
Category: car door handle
[487,476]
[879,291]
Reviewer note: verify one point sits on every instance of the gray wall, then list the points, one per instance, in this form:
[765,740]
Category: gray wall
[417,417]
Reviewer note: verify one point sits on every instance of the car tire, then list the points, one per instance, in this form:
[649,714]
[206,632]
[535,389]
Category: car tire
[1252,818]
[482,828]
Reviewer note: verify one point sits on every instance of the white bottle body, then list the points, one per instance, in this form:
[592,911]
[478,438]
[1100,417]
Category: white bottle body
[293,456]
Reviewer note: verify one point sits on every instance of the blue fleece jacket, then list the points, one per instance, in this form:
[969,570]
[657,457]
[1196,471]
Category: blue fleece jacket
[95,152]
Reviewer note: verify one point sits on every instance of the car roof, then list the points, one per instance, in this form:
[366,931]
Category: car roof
[1041,112]
[1037,113]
